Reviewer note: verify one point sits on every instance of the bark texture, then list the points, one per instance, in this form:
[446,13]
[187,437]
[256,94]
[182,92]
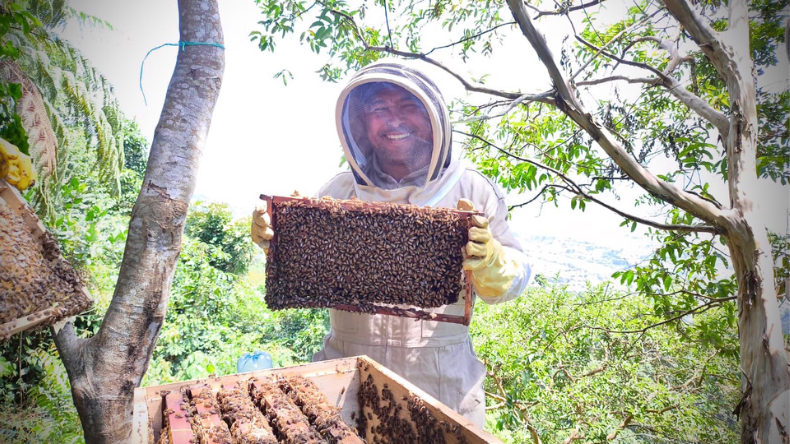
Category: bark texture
[764,408]
[105,369]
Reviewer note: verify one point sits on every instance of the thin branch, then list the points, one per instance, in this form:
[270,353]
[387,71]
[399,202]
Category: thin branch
[387,20]
[700,309]
[471,37]
[574,188]
[574,436]
[614,39]
[618,58]
[424,57]
[628,418]
[540,193]
[648,80]
[529,98]
[696,295]
[562,11]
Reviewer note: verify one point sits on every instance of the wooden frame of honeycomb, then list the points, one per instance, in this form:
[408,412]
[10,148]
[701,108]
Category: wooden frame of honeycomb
[379,247]
[37,285]
[347,389]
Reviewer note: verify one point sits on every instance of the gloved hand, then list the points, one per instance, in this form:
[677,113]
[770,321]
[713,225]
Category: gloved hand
[15,166]
[261,229]
[492,272]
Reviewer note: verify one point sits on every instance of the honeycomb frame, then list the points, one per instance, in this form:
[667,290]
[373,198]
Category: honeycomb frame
[409,309]
[37,311]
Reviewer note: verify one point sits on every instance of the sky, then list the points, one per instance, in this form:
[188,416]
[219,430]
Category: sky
[269,138]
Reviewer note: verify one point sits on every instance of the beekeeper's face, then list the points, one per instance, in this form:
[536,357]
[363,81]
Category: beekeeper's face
[399,128]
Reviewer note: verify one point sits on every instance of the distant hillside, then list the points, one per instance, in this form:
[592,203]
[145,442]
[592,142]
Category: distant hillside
[575,262]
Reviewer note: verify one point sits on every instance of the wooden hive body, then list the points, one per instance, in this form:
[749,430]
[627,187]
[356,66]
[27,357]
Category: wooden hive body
[340,381]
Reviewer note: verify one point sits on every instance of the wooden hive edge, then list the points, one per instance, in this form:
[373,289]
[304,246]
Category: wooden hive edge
[149,402]
[400,387]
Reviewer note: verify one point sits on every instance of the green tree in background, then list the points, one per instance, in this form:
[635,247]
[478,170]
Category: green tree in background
[213,225]
[674,97]
[560,368]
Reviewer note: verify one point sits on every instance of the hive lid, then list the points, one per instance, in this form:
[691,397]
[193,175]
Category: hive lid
[42,306]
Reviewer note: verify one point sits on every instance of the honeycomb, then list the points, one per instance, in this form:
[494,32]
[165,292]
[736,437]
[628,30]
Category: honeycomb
[35,280]
[292,426]
[203,417]
[247,423]
[321,413]
[327,252]
[253,412]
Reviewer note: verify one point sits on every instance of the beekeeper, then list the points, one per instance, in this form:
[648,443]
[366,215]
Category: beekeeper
[396,135]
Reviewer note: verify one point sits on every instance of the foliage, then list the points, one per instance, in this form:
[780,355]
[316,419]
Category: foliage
[213,225]
[77,99]
[49,397]
[214,317]
[556,358]
[13,16]
[135,155]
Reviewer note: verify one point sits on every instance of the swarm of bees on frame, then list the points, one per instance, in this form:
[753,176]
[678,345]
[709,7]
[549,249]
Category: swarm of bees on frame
[386,417]
[328,252]
[35,281]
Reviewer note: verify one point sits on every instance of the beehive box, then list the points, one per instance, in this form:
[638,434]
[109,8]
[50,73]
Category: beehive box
[37,285]
[390,408]
[372,257]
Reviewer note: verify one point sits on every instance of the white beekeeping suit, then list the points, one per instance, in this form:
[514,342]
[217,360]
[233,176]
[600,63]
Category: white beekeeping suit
[435,356]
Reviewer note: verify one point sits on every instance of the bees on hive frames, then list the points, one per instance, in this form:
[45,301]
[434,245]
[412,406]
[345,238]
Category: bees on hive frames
[328,252]
[35,281]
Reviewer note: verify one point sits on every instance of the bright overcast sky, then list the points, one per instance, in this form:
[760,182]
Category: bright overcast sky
[269,138]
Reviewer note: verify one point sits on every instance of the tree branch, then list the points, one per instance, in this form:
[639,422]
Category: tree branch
[628,418]
[528,98]
[105,370]
[574,188]
[568,104]
[648,80]
[612,40]
[672,85]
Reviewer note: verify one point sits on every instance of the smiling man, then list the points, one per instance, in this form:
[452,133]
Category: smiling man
[398,128]
[395,131]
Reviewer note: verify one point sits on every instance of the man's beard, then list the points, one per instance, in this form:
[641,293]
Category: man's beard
[419,155]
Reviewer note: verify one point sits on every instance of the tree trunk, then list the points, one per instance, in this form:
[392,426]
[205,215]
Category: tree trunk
[764,407]
[105,369]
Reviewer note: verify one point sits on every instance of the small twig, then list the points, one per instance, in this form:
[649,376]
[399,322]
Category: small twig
[471,37]
[561,11]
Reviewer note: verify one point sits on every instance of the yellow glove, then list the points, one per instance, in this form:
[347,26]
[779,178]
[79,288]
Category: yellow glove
[16,167]
[261,229]
[492,272]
